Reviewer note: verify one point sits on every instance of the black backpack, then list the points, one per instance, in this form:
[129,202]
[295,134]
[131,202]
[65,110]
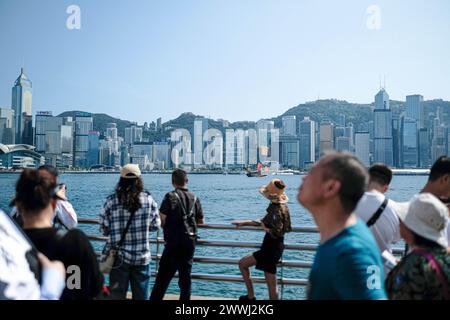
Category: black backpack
[189,222]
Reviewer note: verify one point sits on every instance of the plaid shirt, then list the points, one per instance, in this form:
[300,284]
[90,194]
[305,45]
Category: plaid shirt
[135,249]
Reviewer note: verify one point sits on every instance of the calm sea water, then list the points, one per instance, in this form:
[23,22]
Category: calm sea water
[224,199]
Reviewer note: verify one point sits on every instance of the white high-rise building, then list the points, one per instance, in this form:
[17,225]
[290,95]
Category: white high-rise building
[200,126]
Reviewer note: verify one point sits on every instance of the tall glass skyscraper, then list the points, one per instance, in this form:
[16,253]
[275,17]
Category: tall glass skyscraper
[415,109]
[83,124]
[307,135]
[21,104]
[383,146]
[410,143]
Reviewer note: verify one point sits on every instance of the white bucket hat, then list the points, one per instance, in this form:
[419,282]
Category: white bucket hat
[426,216]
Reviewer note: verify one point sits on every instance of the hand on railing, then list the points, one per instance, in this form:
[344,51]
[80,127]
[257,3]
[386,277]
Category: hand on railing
[242,223]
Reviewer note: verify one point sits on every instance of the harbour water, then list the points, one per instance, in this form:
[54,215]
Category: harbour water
[224,198]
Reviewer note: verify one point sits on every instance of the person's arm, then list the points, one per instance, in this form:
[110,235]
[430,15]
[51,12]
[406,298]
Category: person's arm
[104,218]
[199,217]
[53,278]
[251,223]
[155,221]
[67,214]
[165,209]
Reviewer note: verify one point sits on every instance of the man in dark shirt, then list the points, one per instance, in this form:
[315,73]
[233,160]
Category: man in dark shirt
[180,213]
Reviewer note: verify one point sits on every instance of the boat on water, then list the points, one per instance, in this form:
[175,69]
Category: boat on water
[258,173]
[287,172]
[255,174]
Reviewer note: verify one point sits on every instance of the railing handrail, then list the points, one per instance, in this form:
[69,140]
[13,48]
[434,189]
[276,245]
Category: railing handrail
[236,244]
[224,226]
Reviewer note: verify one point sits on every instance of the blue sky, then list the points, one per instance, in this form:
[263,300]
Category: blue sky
[238,60]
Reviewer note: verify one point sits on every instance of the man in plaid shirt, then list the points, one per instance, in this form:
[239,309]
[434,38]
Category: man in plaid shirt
[133,256]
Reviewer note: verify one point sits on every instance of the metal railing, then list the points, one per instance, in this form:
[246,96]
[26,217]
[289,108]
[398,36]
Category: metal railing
[282,281]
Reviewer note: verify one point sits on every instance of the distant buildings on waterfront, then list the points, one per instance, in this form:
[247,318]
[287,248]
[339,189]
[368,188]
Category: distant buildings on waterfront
[411,138]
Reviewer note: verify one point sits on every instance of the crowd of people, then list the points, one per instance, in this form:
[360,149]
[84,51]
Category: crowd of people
[44,256]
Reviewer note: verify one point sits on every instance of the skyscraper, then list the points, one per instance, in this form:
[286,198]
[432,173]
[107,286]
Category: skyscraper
[289,151]
[7,134]
[424,148]
[21,104]
[362,147]
[200,126]
[410,143]
[93,148]
[343,143]
[383,146]
[326,133]
[382,100]
[289,126]
[439,142]
[415,109]
[83,124]
[307,136]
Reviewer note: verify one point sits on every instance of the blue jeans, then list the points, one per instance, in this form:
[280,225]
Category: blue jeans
[123,275]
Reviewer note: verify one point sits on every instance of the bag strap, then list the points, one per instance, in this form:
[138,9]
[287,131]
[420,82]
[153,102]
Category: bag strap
[185,212]
[377,213]
[436,266]
[124,232]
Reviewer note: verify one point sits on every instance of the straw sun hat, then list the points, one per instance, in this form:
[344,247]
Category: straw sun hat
[275,191]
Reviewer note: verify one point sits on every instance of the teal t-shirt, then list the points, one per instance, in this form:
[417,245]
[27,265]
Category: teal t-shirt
[348,266]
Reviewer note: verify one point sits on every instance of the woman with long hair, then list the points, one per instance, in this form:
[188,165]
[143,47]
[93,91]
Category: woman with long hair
[127,217]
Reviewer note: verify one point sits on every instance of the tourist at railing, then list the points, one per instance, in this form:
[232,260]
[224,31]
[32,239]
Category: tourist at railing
[65,216]
[424,273]
[36,197]
[379,212]
[26,274]
[276,223]
[127,217]
[438,184]
[180,212]
[347,264]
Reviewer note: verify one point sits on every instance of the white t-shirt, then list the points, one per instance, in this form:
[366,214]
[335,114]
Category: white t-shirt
[386,229]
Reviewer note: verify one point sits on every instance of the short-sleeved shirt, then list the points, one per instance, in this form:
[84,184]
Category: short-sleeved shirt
[174,227]
[348,266]
[386,229]
[414,278]
[73,249]
[277,219]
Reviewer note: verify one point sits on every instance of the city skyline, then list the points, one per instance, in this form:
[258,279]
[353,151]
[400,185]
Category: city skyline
[231,62]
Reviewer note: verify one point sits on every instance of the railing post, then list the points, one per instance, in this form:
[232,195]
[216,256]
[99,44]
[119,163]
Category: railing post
[157,251]
[282,283]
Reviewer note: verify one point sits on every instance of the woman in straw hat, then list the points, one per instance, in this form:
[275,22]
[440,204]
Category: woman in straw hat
[424,273]
[275,223]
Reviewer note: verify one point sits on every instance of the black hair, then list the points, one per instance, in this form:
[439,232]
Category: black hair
[50,169]
[423,242]
[128,192]
[179,177]
[380,173]
[440,168]
[351,173]
[33,191]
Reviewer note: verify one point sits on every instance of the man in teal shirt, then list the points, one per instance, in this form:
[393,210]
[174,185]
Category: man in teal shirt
[348,263]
